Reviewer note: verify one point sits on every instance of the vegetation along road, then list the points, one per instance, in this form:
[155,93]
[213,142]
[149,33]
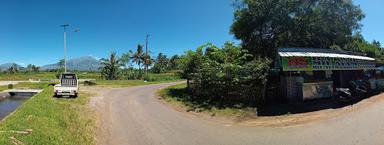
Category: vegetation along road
[134,116]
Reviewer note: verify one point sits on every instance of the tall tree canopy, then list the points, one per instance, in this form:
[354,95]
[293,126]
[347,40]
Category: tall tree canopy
[161,63]
[264,25]
[138,56]
[110,67]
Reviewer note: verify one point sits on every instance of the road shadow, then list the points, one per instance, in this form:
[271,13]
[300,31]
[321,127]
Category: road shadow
[307,106]
[273,109]
[199,103]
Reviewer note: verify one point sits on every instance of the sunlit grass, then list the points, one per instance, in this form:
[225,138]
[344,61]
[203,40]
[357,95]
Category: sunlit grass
[52,121]
[128,83]
[23,76]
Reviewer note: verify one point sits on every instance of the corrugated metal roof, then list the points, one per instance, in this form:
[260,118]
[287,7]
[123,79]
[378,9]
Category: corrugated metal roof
[311,52]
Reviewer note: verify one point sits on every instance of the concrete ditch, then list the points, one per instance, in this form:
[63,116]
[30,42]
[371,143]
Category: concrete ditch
[10,100]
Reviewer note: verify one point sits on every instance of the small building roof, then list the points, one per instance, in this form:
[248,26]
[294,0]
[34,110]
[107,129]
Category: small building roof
[312,52]
[311,59]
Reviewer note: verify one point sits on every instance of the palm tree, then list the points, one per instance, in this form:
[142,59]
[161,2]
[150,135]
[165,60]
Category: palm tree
[110,67]
[35,68]
[161,64]
[148,60]
[29,67]
[126,58]
[32,68]
[138,57]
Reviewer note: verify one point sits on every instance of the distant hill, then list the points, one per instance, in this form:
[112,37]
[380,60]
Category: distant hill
[6,66]
[87,63]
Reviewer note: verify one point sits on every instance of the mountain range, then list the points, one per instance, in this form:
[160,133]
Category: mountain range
[86,63]
[6,66]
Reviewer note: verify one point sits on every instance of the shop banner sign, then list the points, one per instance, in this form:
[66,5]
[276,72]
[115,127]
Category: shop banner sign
[324,63]
[297,63]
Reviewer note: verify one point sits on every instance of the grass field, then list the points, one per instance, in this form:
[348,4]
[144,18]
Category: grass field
[22,76]
[26,85]
[44,119]
[128,83]
[178,95]
[153,79]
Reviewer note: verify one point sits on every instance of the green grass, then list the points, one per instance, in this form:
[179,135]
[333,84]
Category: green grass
[52,120]
[22,76]
[25,85]
[58,120]
[154,79]
[179,96]
[128,83]
[163,77]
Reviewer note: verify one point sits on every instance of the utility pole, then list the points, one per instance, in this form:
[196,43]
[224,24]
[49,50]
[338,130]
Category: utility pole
[146,54]
[65,46]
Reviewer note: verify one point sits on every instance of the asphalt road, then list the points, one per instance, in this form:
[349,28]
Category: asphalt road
[133,116]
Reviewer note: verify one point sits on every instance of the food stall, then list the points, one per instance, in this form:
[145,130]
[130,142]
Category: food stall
[309,73]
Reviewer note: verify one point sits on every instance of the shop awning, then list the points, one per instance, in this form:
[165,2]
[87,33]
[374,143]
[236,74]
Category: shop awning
[308,59]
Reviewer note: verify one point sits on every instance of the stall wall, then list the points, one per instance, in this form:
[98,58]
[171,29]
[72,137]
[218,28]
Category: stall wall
[317,90]
[291,88]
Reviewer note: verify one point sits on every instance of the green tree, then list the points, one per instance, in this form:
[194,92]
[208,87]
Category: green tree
[35,68]
[110,68]
[126,59]
[161,63]
[373,49]
[376,43]
[29,67]
[264,25]
[174,62]
[13,69]
[148,60]
[225,76]
[32,68]
[138,57]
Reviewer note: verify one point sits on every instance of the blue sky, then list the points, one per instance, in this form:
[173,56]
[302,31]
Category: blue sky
[30,32]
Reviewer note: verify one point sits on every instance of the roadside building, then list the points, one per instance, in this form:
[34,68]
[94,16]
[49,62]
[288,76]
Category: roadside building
[308,73]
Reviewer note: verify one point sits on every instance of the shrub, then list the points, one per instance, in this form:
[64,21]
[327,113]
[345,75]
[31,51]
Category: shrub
[226,76]
[10,86]
[161,77]
[89,83]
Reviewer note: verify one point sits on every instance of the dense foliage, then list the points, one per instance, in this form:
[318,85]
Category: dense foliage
[129,66]
[264,25]
[161,64]
[111,67]
[372,49]
[32,68]
[225,74]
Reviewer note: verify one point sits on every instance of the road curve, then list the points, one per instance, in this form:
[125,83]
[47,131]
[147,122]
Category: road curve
[133,116]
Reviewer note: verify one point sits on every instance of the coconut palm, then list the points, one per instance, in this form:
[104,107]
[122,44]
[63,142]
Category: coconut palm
[161,63]
[32,68]
[138,56]
[29,67]
[148,60]
[126,58]
[110,67]
[35,68]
